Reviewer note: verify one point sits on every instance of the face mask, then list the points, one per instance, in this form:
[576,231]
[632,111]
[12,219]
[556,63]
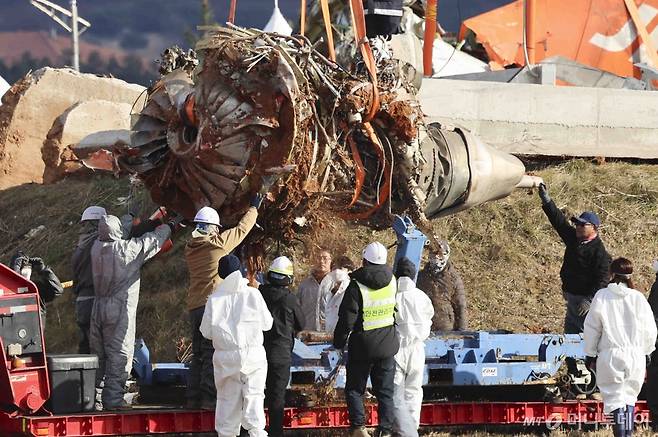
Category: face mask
[203,228]
[438,263]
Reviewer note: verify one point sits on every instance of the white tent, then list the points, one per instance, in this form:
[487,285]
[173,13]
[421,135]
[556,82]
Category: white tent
[4,86]
[277,22]
[448,61]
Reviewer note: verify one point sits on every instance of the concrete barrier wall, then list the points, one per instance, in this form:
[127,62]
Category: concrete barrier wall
[546,120]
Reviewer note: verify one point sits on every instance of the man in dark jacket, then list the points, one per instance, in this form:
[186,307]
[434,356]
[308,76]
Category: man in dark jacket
[440,280]
[585,268]
[367,312]
[279,341]
[382,17]
[44,278]
[652,371]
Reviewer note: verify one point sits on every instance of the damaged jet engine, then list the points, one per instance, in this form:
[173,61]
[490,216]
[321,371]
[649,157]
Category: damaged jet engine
[266,112]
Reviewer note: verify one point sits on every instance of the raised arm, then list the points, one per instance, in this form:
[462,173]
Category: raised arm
[559,222]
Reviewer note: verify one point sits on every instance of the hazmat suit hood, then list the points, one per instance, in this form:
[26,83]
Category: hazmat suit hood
[88,233]
[406,284]
[618,289]
[110,228]
[233,283]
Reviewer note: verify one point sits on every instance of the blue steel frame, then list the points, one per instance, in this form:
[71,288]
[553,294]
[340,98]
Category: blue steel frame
[410,241]
[479,358]
[156,374]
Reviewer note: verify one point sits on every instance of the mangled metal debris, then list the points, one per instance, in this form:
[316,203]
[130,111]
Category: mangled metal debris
[353,146]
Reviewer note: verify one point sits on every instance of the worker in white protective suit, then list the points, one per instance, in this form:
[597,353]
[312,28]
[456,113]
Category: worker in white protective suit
[234,319]
[619,334]
[414,320]
[116,265]
[332,289]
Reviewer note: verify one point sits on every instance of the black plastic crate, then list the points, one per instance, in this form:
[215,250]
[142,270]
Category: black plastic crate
[72,383]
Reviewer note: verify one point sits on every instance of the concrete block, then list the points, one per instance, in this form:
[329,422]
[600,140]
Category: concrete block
[546,120]
[33,104]
[82,121]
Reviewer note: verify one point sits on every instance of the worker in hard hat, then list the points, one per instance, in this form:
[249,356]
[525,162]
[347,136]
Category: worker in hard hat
[619,335]
[366,316]
[652,370]
[309,290]
[83,282]
[414,320]
[382,17]
[279,341]
[202,252]
[443,284]
[234,319]
[332,290]
[116,265]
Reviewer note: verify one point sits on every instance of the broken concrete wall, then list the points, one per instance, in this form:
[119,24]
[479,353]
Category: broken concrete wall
[80,121]
[30,108]
[548,120]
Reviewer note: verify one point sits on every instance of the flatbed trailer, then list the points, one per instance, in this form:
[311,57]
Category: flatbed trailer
[153,421]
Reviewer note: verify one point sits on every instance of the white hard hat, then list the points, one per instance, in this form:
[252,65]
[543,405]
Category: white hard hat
[375,253]
[282,265]
[207,215]
[93,213]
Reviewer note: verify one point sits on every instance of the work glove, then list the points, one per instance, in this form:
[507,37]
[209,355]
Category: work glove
[174,222]
[590,363]
[583,307]
[543,193]
[257,200]
[37,264]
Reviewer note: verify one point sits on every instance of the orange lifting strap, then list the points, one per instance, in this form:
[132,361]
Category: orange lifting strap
[359,25]
[327,27]
[428,38]
[231,12]
[302,18]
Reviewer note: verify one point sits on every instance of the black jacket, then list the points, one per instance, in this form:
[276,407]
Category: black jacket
[287,315]
[364,345]
[47,283]
[585,268]
[383,7]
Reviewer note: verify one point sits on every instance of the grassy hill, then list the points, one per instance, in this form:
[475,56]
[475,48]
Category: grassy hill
[506,251]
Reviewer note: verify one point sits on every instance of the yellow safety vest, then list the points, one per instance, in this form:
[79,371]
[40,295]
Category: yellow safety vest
[378,306]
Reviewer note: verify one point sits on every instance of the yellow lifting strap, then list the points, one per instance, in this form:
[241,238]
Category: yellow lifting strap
[642,30]
[327,27]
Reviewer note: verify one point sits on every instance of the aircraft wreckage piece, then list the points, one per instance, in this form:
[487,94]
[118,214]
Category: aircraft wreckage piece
[263,109]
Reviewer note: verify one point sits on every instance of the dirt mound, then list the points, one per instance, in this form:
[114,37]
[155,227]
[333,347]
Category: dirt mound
[32,105]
